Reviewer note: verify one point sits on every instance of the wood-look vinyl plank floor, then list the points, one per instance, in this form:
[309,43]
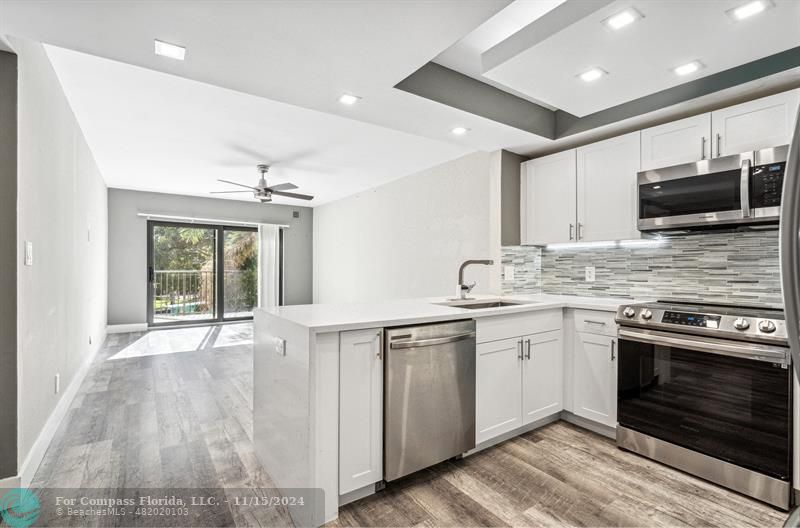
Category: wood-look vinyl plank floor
[165,408]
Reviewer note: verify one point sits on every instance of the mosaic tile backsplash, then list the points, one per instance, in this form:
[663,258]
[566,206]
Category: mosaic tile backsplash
[727,267]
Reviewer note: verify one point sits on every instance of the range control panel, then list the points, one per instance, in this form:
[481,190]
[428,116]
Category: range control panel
[691,319]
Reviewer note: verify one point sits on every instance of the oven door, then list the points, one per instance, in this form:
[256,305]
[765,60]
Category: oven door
[726,399]
[705,193]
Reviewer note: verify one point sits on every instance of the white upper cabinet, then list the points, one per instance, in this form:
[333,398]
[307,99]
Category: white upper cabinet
[361,401]
[548,199]
[606,199]
[683,141]
[763,123]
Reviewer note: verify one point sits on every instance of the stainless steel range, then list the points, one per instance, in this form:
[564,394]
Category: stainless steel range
[708,389]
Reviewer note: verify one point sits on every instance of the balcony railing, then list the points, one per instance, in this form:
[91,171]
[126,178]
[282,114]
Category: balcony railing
[192,293]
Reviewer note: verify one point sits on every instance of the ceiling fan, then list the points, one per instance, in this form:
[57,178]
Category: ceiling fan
[264,193]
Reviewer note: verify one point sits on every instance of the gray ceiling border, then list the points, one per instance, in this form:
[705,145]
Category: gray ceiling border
[449,87]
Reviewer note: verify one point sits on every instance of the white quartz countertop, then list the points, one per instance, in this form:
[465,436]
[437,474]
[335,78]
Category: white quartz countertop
[340,317]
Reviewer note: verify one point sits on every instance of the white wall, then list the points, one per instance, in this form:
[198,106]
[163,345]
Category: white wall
[127,255]
[407,238]
[62,209]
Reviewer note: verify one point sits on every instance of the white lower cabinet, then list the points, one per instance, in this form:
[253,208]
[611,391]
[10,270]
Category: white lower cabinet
[498,389]
[542,376]
[361,409]
[595,378]
[520,377]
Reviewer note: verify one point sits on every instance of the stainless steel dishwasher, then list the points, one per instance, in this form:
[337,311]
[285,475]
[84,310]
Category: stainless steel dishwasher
[429,395]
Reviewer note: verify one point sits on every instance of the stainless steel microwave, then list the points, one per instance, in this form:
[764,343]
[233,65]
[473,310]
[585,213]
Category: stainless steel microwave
[727,191]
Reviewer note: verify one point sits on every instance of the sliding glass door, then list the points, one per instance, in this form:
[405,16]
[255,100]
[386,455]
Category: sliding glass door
[200,273]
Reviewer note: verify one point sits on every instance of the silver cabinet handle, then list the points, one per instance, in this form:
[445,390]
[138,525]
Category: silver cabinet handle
[528,354]
[379,335]
[703,148]
[519,349]
[580,231]
[719,145]
[613,349]
[589,321]
[571,229]
[744,188]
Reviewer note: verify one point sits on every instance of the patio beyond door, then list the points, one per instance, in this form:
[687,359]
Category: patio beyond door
[200,273]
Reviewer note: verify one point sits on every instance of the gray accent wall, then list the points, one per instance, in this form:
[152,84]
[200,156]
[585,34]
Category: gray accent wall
[127,245]
[8,265]
[729,267]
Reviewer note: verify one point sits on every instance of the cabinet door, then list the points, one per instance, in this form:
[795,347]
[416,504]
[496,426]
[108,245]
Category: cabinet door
[763,123]
[607,189]
[542,376]
[498,389]
[548,199]
[595,386]
[360,409]
[683,141]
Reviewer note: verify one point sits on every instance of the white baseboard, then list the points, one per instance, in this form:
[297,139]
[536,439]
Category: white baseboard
[610,432]
[125,328]
[36,454]
[10,482]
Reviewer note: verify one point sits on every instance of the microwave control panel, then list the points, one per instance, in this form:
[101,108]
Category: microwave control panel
[766,185]
[691,319]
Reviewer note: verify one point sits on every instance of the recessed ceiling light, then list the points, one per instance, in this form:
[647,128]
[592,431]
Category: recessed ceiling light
[349,99]
[749,9]
[622,19]
[459,131]
[173,51]
[592,75]
[688,68]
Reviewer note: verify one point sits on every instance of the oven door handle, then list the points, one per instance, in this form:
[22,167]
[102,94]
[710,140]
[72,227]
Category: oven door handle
[753,351]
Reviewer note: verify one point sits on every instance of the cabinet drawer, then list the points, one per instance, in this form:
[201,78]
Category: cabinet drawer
[508,326]
[594,322]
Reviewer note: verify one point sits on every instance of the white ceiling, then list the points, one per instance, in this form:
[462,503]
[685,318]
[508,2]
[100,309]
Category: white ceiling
[639,57]
[465,55]
[302,53]
[159,132]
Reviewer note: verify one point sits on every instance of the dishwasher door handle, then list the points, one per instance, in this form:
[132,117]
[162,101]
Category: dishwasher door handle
[432,342]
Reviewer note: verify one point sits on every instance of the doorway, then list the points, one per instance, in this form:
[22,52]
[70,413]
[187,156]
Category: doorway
[200,273]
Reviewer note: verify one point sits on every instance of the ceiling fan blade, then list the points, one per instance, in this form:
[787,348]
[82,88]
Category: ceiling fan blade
[239,184]
[228,192]
[293,195]
[283,187]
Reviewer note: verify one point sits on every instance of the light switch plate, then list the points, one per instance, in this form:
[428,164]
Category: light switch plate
[280,346]
[508,272]
[28,253]
[589,273]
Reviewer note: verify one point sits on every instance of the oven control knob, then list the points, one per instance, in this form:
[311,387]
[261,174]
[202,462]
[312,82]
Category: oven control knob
[741,324]
[629,312]
[647,314]
[766,326]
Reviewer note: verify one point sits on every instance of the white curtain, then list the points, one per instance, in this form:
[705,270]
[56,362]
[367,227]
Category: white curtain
[268,265]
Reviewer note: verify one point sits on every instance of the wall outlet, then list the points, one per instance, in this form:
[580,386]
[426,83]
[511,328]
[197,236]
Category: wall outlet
[28,253]
[58,383]
[508,273]
[589,273]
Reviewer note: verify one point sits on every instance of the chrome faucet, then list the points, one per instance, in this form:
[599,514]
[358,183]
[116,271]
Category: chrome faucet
[464,289]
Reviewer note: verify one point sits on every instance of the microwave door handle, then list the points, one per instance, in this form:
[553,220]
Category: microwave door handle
[790,245]
[744,190]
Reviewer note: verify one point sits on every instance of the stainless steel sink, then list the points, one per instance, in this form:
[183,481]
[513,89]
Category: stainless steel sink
[477,304]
